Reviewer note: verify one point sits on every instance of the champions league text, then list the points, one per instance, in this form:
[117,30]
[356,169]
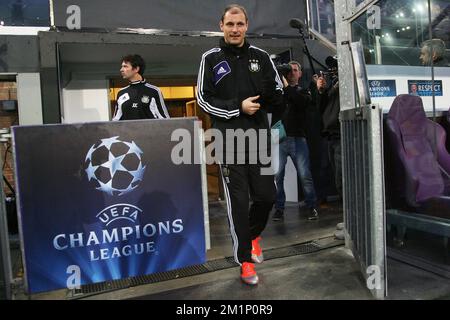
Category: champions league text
[131,235]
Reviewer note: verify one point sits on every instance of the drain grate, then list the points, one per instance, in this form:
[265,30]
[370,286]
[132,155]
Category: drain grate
[210,266]
[220,264]
[169,275]
[291,251]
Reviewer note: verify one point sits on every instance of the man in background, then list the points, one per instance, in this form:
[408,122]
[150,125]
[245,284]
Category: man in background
[433,53]
[140,99]
[295,145]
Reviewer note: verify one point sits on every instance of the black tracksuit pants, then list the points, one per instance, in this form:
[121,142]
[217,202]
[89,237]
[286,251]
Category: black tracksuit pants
[246,224]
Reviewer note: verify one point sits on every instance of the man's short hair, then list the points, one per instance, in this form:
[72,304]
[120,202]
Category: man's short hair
[234,8]
[136,61]
[435,46]
[297,63]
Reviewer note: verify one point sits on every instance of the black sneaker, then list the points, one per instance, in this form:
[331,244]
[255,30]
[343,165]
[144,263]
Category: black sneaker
[313,214]
[278,215]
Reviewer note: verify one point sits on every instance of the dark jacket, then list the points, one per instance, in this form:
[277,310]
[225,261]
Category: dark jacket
[441,62]
[297,102]
[227,76]
[330,107]
[140,100]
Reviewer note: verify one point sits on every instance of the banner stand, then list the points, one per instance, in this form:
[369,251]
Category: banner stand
[5,253]
[201,137]
[121,199]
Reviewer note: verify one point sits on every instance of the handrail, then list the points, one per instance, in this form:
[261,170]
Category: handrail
[323,40]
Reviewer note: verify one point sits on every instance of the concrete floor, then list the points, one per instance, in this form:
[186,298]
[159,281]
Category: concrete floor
[326,275]
[406,282]
[329,274]
[294,229]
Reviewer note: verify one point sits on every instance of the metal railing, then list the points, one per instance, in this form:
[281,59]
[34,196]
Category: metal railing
[5,254]
[363,190]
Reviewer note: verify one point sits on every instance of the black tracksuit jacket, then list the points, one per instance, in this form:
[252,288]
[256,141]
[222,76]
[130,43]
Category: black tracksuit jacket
[295,118]
[227,76]
[140,100]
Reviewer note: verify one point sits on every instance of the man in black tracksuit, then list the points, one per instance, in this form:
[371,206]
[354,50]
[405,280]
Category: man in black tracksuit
[237,84]
[139,100]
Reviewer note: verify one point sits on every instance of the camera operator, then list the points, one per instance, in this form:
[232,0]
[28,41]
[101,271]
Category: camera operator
[328,100]
[294,145]
[327,85]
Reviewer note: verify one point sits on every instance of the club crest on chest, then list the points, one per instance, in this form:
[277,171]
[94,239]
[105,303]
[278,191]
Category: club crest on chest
[254,65]
[145,99]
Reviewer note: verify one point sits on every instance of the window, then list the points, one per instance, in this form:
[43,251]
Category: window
[395,32]
[30,13]
[321,15]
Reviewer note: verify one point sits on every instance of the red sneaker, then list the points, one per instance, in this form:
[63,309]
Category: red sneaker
[257,255]
[248,274]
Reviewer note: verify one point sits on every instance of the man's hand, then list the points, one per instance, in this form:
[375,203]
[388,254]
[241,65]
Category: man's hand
[321,84]
[249,106]
[285,83]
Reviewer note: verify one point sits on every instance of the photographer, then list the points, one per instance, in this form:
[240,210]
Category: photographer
[327,97]
[294,145]
[327,85]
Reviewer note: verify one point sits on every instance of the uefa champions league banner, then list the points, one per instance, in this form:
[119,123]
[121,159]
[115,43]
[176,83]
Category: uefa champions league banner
[104,201]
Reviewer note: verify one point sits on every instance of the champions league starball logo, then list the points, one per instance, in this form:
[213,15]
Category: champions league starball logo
[114,166]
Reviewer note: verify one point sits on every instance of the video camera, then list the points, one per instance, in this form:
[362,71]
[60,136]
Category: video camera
[284,69]
[278,60]
[332,64]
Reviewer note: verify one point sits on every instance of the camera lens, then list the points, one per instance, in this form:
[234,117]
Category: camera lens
[284,69]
